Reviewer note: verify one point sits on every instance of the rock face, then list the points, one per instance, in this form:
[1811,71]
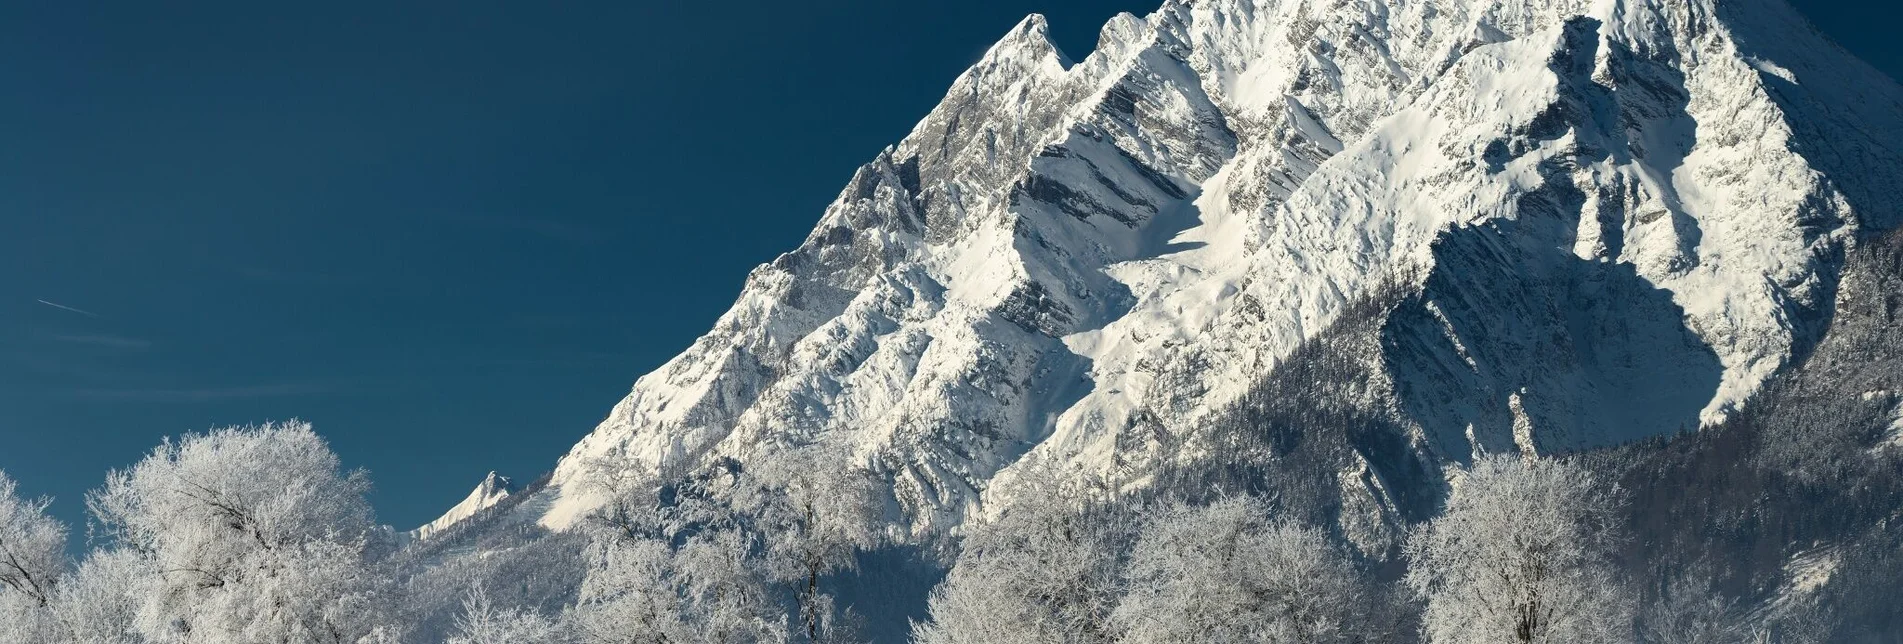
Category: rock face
[1605,220]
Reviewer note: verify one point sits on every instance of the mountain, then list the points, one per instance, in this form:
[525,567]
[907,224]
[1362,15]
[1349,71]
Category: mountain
[1552,226]
[492,490]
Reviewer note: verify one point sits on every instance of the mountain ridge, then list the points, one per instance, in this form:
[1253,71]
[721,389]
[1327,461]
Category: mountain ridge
[1077,262]
[493,489]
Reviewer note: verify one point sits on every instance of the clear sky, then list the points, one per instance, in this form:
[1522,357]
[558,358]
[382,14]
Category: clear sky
[450,234]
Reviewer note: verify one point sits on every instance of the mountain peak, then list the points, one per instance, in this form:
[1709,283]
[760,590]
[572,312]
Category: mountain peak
[1030,42]
[493,489]
[1557,234]
[495,483]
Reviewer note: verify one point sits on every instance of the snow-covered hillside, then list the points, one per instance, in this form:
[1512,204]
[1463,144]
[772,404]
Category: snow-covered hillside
[1609,219]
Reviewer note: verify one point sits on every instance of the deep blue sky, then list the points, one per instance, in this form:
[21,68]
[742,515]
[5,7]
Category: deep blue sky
[450,234]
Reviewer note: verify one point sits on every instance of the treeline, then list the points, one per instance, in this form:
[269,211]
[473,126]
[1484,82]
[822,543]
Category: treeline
[237,535]
[256,535]
[1526,550]
[1796,501]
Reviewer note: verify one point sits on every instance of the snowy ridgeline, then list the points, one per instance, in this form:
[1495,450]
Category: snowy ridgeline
[1590,222]
[493,490]
[1268,321]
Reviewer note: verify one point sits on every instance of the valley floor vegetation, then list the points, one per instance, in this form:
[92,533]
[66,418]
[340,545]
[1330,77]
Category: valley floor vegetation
[257,535]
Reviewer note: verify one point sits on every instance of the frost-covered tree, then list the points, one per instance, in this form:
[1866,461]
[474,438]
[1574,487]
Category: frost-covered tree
[98,602]
[518,566]
[816,510]
[729,599]
[32,558]
[251,535]
[666,566]
[483,622]
[635,503]
[644,591]
[1046,571]
[1228,573]
[1521,555]
[632,595]
[1687,610]
[32,545]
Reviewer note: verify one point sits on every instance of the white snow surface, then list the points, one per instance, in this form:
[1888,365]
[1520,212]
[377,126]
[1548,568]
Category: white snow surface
[1612,218]
[492,490]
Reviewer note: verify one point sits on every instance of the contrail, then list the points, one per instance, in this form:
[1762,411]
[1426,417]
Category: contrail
[63,307]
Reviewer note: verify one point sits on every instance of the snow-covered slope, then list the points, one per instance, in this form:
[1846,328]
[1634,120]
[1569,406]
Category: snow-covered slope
[1614,219]
[492,490]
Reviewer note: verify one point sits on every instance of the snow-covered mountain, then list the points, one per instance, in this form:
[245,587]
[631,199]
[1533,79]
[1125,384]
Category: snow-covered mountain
[1583,222]
[492,490]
